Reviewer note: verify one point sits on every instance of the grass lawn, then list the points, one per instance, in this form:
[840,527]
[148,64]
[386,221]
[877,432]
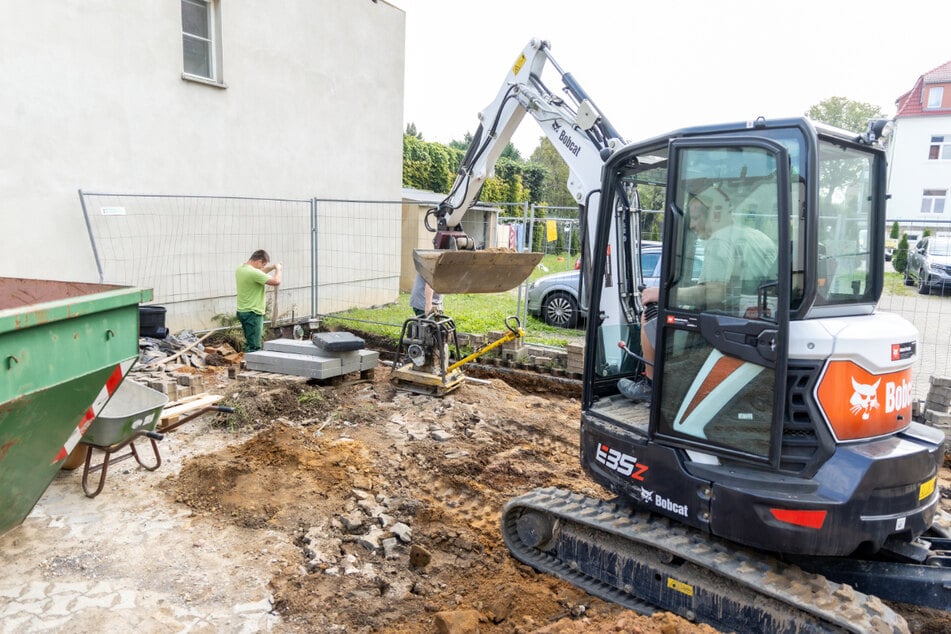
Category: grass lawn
[895,282]
[473,313]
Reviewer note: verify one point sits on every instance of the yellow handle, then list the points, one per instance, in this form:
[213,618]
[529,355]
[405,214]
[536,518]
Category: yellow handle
[513,333]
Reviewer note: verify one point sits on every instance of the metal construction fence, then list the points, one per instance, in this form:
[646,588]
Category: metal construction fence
[336,254]
[931,315]
[342,254]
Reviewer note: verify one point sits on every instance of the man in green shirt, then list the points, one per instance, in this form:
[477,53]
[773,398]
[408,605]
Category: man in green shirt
[251,278]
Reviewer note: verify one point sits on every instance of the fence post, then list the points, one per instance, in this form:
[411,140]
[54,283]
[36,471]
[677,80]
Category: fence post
[92,238]
[522,307]
[313,256]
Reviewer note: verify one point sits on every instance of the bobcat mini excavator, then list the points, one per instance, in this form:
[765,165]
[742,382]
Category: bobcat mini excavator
[776,482]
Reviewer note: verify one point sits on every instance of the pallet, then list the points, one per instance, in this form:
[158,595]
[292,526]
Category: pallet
[271,376]
[350,377]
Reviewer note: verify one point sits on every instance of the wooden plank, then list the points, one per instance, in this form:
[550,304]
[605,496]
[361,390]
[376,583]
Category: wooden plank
[185,400]
[203,400]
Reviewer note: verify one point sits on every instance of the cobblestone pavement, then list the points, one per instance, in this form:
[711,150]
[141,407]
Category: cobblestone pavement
[129,560]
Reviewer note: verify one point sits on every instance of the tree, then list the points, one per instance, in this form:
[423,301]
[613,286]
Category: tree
[900,255]
[848,115]
[433,167]
[511,152]
[896,230]
[461,145]
[554,189]
[427,166]
[844,113]
[534,177]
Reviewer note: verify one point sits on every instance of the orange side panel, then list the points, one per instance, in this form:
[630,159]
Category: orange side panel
[859,404]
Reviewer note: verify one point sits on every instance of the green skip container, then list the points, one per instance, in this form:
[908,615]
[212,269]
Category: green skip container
[65,348]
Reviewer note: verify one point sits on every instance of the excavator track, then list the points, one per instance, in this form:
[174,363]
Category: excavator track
[646,562]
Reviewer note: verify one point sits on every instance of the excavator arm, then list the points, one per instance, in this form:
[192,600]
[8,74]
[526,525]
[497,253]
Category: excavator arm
[580,133]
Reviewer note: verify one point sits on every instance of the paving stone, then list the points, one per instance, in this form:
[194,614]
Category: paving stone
[297,364]
[350,360]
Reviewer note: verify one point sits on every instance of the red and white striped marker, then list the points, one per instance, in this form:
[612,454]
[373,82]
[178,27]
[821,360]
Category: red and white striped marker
[112,384]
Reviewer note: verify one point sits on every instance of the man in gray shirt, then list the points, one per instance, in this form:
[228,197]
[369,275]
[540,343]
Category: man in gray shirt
[423,299]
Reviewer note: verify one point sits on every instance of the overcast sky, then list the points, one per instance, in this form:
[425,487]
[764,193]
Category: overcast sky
[657,66]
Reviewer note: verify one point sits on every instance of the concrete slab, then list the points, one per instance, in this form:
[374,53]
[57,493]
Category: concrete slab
[296,364]
[337,341]
[306,347]
[303,358]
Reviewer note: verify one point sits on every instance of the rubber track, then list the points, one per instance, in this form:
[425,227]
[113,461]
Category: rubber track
[837,605]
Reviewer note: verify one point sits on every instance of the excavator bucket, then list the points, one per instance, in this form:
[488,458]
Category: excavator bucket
[485,271]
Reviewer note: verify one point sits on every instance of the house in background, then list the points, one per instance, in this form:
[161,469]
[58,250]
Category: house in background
[214,100]
[919,154]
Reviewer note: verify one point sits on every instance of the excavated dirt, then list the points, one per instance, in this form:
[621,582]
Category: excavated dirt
[353,507]
[393,500]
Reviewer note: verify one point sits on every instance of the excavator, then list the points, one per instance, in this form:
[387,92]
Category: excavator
[775,481]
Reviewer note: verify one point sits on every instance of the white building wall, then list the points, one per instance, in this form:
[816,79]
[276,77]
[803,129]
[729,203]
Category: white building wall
[92,98]
[911,172]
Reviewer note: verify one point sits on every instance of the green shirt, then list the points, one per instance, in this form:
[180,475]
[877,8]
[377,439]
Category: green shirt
[250,282]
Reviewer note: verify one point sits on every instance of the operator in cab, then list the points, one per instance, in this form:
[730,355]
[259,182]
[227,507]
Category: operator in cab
[736,258]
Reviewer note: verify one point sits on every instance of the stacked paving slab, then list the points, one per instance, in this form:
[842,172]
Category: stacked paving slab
[325,355]
[938,406]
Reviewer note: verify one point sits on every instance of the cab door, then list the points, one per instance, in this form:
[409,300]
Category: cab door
[721,342]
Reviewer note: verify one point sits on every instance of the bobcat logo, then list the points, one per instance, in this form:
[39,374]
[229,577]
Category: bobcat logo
[646,496]
[864,398]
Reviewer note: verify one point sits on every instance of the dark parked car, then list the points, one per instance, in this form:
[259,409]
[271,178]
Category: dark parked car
[929,265]
[554,298]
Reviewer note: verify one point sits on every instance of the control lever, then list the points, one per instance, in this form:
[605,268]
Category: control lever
[623,346]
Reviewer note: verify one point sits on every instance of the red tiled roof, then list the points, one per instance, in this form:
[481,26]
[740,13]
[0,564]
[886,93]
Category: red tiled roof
[910,103]
[938,75]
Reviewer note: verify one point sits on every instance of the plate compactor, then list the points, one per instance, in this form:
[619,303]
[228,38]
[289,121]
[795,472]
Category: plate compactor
[428,344]
[427,356]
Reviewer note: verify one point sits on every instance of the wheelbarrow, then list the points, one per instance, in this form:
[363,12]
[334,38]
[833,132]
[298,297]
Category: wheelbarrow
[130,415]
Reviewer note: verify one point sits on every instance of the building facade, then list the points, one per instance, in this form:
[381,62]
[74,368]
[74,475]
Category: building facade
[300,99]
[920,154]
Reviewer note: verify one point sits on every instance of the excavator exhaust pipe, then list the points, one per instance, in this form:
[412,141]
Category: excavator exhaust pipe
[484,271]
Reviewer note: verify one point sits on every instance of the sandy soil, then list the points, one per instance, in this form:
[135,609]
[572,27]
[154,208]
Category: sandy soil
[353,507]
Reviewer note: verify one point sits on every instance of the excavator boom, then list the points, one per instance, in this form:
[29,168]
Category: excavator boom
[580,134]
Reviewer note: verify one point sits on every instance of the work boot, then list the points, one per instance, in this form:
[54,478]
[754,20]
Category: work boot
[637,391]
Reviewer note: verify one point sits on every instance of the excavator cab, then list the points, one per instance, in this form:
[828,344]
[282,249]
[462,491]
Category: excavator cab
[780,416]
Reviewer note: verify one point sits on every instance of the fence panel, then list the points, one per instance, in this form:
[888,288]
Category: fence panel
[931,315]
[358,253]
[186,248]
[556,231]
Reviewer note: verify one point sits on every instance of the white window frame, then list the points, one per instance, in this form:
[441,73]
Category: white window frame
[211,41]
[933,201]
[935,97]
[941,142]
